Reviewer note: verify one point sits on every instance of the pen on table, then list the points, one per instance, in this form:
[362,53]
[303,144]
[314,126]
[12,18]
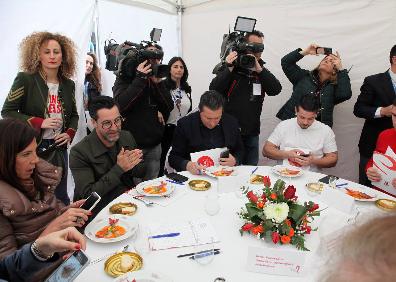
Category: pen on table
[342,184]
[201,252]
[198,256]
[254,170]
[164,235]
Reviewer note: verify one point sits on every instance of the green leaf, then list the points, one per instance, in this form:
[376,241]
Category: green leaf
[268,225]
[268,236]
[297,212]
[254,213]
[299,241]
[279,186]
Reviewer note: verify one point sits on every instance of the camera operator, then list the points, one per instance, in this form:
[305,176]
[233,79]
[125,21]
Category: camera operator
[146,104]
[244,91]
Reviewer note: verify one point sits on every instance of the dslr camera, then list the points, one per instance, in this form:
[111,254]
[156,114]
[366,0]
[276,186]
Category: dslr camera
[124,58]
[236,41]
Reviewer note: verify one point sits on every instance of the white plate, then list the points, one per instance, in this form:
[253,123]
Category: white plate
[143,276]
[367,191]
[127,222]
[212,169]
[278,170]
[169,188]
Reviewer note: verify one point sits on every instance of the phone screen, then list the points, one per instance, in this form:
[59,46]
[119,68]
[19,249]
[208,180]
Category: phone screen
[70,268]
[177,177]
[225,154]
[91,202]
[324,50]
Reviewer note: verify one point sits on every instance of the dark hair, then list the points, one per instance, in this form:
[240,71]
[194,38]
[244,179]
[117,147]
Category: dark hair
[392,53]
[15,136]
[98,103]
[254,32]
[183,81]
[94,77]
[309,103]
[211,99]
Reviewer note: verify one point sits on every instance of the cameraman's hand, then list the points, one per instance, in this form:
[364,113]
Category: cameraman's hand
[231,58]
[143,68]
[310,50]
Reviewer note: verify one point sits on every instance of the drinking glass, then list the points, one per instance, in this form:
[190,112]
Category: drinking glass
[212,204]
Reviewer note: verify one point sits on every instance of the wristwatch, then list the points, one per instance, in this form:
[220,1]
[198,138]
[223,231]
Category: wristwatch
[38,254]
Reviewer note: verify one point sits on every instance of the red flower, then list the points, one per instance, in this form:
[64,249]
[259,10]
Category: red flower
[291,232]
[290,192]
[308,229]
[247,226]
[260,204]
[252,197]
[288,222]
[273,196]
[257,229]
[266,181]
[313,208]
[275,237]
[263,198]
[285,239]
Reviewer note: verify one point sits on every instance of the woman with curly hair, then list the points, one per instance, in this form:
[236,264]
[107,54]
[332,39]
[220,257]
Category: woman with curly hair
[43,96]
[92,83]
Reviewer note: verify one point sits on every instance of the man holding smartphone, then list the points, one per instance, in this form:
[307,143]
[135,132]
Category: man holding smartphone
[303,131]
[209,128]
[107,160]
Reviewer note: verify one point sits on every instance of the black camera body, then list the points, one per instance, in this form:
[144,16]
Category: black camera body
[124,58]
[236,41]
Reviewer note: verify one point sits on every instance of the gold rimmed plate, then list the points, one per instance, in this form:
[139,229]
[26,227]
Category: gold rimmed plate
[256,179]
[199,185]
[125,208]
[112,265]
[386,204]
[316,187]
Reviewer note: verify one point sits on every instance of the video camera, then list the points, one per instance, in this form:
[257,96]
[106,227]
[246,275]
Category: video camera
[236,41]
[124,58]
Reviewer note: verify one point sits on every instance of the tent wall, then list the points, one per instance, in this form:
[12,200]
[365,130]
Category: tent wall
[363,31]
[124,22]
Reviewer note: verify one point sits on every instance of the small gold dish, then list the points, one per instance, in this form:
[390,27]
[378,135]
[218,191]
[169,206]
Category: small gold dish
[124,208]
[112,265]
[386,204]
[256,179]
[315,187]
[199,185]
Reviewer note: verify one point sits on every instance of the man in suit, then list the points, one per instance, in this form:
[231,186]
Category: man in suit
[107,160]
[375,105]
[209,128]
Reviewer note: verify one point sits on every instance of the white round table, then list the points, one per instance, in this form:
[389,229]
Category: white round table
[231,263]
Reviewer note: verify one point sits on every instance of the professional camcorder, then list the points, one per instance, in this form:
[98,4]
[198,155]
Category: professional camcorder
[124,58]
[236,41]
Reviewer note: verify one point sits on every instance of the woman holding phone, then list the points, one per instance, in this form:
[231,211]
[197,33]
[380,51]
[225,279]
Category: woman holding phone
[28,206]
[43,96]
[329,82]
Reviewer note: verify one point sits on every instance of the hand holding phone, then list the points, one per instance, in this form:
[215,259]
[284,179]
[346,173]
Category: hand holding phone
[324,50]
[70,268]
[225,154]
[91,201]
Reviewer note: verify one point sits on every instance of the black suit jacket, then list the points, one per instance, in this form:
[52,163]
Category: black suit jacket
[376,91]
[188,139]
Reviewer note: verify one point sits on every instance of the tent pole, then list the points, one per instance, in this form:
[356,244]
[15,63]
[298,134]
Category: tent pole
[179,9]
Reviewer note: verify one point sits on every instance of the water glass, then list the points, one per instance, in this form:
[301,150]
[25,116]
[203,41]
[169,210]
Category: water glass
[212,204]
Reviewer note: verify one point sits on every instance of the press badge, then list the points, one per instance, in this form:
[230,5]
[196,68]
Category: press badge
[256,89]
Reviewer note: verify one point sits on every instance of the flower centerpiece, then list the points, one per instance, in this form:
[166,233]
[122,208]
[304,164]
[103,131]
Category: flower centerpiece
[276,216]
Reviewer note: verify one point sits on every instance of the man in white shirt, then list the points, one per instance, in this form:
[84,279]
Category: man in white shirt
[303,141]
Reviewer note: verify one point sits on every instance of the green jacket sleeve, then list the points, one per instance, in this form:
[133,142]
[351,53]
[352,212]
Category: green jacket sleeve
[84,176]
[343,89]
[13,105]
[73,124]
[289,66]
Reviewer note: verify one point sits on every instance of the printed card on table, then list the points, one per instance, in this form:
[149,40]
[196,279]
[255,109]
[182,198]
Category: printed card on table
[207,158]
[276,261]
[386,166]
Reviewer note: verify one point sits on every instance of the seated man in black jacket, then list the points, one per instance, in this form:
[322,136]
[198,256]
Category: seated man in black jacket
[207,129]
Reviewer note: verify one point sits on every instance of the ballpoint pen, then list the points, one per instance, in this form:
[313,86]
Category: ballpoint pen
[164,235]
[254,170]
[201,252]
[174,182]
[198,256]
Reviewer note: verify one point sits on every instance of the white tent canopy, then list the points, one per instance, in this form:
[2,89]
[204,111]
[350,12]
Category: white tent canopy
[363,31]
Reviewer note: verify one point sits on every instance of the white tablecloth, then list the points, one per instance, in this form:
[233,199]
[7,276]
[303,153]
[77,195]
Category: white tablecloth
[231,263]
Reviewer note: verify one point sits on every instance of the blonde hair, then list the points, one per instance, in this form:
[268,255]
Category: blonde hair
[333,76]
[367,253]
[30,53]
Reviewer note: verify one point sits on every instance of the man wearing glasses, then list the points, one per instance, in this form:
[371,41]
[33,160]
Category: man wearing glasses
[106,160]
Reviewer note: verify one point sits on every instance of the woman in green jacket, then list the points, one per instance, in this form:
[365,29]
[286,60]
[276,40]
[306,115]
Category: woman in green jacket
[329,82]
[43,96]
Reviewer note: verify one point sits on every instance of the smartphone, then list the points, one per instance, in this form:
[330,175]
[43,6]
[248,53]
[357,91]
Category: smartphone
[70,268]
[324,50]
[91,201]
[177,177]
[326,179]
[304,155]
[225,154]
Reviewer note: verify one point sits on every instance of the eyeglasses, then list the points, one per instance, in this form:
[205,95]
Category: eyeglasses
[108,123]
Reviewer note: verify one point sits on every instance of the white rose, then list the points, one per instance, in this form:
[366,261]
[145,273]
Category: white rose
[277,212]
